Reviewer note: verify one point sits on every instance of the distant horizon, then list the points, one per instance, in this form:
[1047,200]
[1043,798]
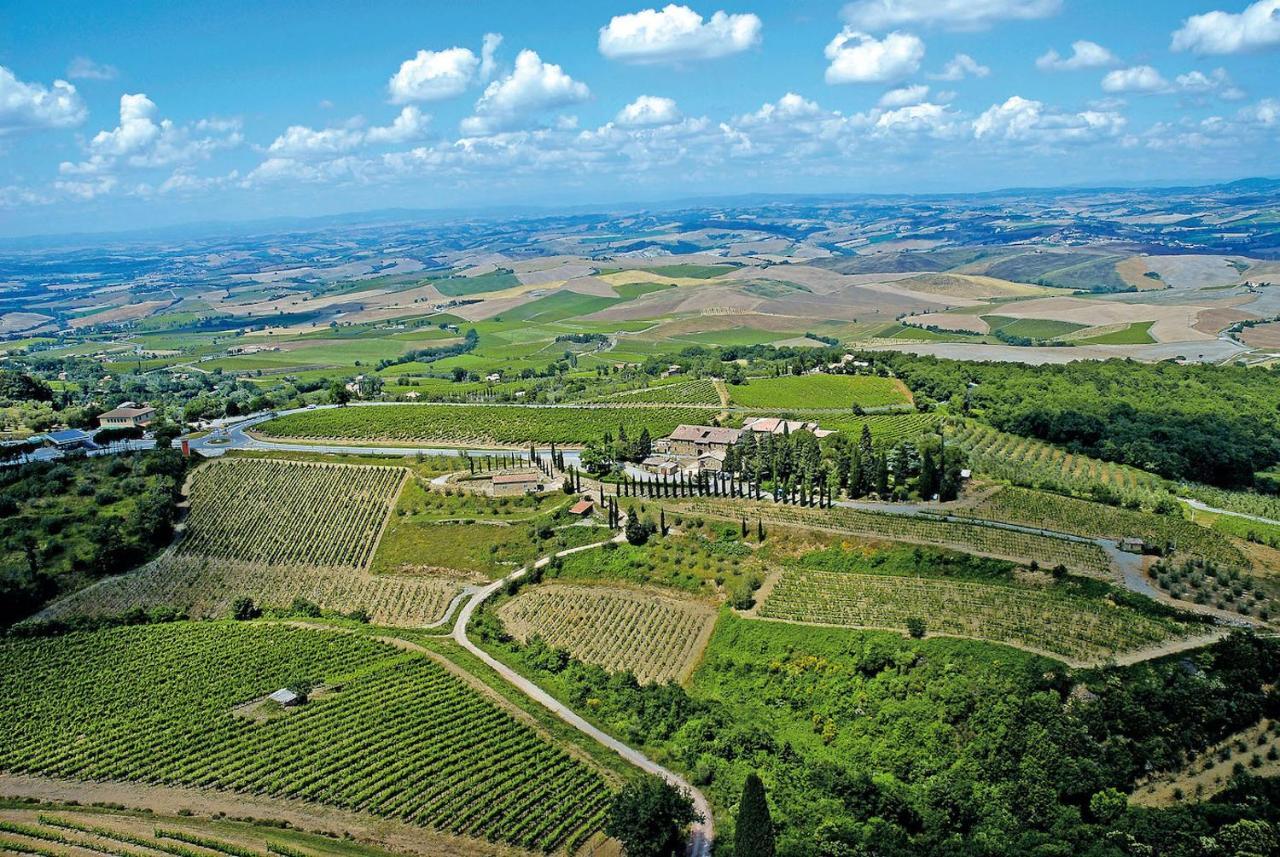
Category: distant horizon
[116,118]
[209,227]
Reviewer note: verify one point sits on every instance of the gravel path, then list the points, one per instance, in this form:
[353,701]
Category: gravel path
[701,833]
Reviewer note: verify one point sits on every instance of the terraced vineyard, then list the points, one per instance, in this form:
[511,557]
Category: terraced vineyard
[207,588]
[505,424]
[1081,630]
[262,510]
[654,637]
[819,391]
[397,735]
[1025,461]
[1085,518]
[1080,557]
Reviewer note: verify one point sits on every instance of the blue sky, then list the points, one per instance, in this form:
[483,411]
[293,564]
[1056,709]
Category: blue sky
[117,116]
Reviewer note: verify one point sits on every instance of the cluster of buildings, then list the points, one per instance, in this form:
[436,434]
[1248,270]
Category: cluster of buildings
[127,415]
[695,449]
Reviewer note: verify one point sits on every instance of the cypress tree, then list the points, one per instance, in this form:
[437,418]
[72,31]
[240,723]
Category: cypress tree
[753,836]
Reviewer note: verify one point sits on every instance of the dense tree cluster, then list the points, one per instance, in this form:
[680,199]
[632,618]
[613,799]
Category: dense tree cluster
[798,463]
[66,523]
[1214,424]
[873,744]
[603,457]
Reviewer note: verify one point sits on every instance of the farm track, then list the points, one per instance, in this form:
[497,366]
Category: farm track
[701,833]
[1205,507]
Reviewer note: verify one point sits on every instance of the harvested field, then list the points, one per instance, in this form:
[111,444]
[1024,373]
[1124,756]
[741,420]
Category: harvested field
[12,322]
[128,312]
[972,286]
[1135,271]
[1262,335]
[962,322]
[1195,271]
[1214,320]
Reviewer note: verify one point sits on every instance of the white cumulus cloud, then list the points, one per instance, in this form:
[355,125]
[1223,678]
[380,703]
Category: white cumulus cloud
[926,118]
[1024,120]
[436,75]
[1266,113]
[961,66]
[1084,54]
[789,106]
[299,142]
[956,14]
[1256,28]
[1146,80]
[649,110]
[532,86]
[1216,82]
[861,58]
[677,34]
[27,106]
[904,96]
[140,141]
[1138,78]
[410,124]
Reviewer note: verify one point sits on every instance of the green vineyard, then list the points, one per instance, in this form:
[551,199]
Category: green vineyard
[1079,556]
[206,588]
[1032,462]
[653,637]
[884,428]
[700,391]
[819,391]
[1080,630]
[1085,518]
[395,735]
[503,424]
[262,510]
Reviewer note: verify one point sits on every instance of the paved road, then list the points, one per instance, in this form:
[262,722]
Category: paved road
[701,833]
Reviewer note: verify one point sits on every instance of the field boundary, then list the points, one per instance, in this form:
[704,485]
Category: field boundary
[171,800]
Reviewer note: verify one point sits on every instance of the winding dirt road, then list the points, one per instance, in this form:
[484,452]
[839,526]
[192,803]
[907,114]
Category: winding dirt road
[701,833]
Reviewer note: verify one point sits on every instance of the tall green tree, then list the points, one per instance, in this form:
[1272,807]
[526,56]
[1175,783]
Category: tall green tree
[649,817]
[753,836]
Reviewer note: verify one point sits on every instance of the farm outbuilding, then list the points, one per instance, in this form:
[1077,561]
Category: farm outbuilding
[582,508]
[515,484]
[661,465]
[68,438]
[286,698]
